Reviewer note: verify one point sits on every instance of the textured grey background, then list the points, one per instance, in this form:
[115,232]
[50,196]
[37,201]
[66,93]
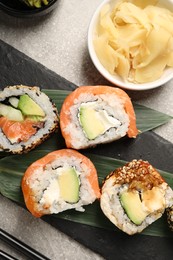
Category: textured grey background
[59,41]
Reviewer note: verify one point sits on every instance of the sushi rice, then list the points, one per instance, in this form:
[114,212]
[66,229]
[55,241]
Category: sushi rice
[169,212]
[41,188]
[51,119]
[112,105]
[121,180]
[113,109]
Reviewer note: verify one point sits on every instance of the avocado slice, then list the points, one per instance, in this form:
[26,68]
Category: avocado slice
[11,113]
[29,107]
[91,125]
[132,205]
[95,120]
[35,118]
[69,185]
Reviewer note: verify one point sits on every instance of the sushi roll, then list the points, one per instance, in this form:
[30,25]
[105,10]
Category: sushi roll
[27,118]
[134,196]
[169,212]
[61,180]
[91,115]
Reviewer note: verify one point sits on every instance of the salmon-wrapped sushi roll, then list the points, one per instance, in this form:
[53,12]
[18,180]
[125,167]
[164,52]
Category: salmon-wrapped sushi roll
[91,115]
[61,180]
[27,118]
[134,196]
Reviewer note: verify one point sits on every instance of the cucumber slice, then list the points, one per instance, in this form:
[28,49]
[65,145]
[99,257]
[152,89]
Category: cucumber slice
[11,113]
[14,101]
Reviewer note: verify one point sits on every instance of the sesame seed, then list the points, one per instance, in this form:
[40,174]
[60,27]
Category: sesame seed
[138,174]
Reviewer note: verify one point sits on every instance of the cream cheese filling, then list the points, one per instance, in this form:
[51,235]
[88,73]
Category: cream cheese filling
[57,190]
[95,120]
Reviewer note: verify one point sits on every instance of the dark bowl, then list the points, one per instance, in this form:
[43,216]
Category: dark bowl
[16,8]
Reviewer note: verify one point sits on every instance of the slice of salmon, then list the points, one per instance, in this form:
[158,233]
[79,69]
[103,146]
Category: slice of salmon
[18,131]
[97,90]
[28,193]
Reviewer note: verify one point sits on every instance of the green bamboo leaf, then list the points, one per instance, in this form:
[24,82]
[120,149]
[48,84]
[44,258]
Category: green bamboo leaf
[147,118]
[10,179]
[12,169]
[2,154]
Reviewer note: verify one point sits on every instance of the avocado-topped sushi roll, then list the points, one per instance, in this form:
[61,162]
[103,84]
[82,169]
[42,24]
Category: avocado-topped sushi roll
[134,196]
[61,180]
[169,212]
[27,118]
[91,115]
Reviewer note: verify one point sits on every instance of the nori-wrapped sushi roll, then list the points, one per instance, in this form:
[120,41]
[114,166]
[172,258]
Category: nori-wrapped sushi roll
[134,196]
[27,118]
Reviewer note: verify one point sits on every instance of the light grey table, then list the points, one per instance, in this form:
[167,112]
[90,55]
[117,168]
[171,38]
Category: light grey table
[59,41]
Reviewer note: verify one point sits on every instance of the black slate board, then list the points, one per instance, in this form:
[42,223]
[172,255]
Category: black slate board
[17,68]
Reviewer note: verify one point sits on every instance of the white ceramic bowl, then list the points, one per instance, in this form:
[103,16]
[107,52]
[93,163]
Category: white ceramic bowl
[116,79]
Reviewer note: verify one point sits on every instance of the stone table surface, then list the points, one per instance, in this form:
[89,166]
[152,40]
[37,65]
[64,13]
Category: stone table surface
[59,41]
